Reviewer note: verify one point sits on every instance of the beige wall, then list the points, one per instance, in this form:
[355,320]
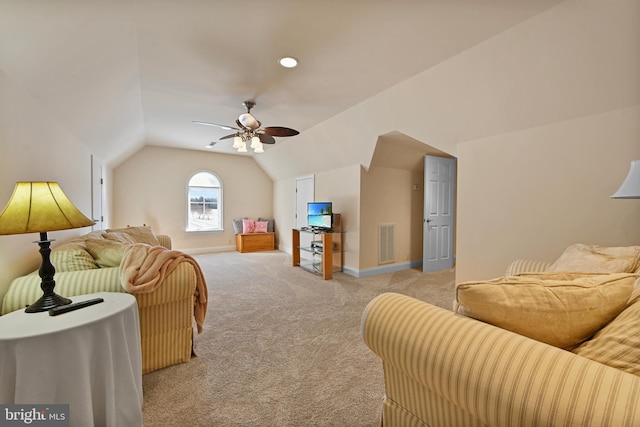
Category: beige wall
[389,197]
[530,194]
[284,211]
[342,188]
[151,188]
[35,148]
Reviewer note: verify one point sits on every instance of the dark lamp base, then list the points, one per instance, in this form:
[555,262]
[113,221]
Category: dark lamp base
[49,298]
[46,302]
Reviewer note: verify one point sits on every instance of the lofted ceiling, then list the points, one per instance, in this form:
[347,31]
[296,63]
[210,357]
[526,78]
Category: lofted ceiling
[398,151]
[119,74]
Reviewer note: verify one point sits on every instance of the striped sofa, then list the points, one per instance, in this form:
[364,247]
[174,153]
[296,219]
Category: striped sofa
[166,315]
[443,369]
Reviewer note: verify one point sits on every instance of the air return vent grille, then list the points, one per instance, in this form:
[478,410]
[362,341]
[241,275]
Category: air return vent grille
[386,243]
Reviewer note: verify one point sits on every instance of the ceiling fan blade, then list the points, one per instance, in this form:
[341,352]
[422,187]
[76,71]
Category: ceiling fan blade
[225,127]
[266,139]
[279,131]
[228,136]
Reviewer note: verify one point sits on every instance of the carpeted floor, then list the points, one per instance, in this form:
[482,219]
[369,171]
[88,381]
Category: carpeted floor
[282,347]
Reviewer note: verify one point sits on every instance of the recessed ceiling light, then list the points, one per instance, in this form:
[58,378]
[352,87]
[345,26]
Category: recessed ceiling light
[288,62]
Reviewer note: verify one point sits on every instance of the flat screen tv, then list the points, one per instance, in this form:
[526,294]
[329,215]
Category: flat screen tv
[320,215]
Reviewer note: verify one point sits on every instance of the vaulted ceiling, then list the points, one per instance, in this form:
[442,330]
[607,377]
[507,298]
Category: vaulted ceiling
[119,74]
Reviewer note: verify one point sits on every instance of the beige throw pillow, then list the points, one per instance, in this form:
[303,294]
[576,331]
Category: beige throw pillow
[560,309]
[598,259]
[618,343]
[106,253]
[72,258]
[118,237]
[138,234]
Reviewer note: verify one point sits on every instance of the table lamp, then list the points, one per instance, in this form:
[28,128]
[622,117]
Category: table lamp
[38,207]
[630,188]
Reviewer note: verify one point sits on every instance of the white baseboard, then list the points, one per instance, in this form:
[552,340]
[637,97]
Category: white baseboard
[197,251]
[390,268]
[372,271]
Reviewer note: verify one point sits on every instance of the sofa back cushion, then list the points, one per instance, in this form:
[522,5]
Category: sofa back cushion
[560,309]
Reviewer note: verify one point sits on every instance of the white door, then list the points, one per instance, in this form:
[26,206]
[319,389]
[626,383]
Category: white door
[304,193]
[96,193]
[439,218]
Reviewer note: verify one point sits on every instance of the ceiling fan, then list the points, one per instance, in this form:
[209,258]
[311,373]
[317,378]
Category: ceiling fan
[250,131]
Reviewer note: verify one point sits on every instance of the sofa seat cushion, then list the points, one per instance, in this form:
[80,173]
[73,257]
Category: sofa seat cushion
[618,343]
[560,309]
[598,259]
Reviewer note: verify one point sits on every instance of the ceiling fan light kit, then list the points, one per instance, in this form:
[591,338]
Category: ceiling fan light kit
[248,121]
[250,131]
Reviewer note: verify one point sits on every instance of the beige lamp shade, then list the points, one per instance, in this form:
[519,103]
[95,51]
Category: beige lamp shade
[36,207]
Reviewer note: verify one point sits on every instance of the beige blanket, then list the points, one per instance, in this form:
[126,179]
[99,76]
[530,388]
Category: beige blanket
[144,267]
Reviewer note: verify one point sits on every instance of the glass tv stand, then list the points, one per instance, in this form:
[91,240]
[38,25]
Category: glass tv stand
[325,250]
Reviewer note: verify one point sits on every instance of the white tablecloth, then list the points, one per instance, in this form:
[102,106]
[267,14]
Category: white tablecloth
[88,358]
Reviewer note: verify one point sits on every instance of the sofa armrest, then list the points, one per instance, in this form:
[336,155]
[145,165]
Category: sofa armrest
[441,368]
[167,318]
[178,285]
[165,240]
[526,266]
[26,290]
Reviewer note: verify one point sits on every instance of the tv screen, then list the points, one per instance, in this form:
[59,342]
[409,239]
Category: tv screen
[319,215]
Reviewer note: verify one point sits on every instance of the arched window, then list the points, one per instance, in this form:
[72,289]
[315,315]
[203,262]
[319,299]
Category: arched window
[204,203]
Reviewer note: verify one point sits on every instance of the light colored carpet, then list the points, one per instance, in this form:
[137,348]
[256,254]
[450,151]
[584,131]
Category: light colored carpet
[282,347]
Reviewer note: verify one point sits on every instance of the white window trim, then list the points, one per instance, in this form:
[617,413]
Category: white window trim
[220,204]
